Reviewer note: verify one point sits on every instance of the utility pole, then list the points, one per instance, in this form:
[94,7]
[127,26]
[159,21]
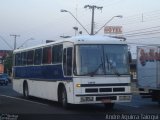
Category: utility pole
[92,7]
[15,36]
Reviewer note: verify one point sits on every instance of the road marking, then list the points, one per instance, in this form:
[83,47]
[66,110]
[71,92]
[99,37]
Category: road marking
[24,100]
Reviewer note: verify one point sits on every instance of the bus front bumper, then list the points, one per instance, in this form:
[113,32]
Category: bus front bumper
[102,98]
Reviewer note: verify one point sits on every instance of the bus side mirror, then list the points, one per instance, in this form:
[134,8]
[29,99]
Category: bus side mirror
[129,57]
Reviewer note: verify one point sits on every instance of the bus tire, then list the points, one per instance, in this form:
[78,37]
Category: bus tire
[109,106]
[63,98]
[25,90]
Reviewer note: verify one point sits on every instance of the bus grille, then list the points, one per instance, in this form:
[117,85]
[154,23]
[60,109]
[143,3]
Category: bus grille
[91,90]
[105,90]
[96,90]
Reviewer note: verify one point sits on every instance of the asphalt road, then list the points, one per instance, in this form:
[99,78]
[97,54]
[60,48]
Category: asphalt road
[13,105]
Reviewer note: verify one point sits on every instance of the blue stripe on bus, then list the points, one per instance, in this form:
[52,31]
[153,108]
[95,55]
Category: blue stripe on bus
[47,72]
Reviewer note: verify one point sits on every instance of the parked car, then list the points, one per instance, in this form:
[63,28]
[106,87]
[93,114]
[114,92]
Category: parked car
[6,76]
[3,80]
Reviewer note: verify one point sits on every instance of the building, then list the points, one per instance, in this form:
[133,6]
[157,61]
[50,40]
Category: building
[3,54]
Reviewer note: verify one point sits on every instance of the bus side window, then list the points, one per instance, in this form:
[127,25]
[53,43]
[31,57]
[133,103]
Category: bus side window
[67,61]
[30,57]
[47,55]
[57,54]
[24,58]
[18,59]
[38,56]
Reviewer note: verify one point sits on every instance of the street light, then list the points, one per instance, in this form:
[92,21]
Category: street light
[25,42]
[76,29]
[75,19]
[119,16]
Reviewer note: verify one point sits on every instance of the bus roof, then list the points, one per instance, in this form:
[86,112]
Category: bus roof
[82,39]
[96,39]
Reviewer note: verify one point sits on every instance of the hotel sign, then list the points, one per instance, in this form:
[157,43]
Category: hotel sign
[113,30]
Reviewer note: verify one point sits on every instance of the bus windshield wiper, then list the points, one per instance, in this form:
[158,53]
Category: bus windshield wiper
[115,70]
[94,72]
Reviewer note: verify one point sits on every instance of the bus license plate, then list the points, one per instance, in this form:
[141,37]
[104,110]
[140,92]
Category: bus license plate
[106,101]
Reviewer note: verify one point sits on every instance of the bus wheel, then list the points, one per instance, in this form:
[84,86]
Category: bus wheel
[64,101]
[25,90]
[109,106]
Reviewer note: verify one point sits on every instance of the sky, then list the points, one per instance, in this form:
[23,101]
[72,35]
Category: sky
[42,19]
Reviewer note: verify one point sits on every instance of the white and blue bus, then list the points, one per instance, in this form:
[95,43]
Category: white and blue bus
[76,70]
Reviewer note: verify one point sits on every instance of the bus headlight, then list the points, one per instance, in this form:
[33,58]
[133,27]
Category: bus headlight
[86,99]
[78,85]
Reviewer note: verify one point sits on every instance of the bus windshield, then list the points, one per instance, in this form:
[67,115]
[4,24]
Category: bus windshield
[101,60]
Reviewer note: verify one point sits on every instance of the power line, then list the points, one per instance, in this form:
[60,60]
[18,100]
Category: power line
[141,32]
[138,44]
[142,18]
[6,42]
[143,29]
[143,38]
[144,33]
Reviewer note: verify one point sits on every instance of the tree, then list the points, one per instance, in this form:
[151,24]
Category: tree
[8,62]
